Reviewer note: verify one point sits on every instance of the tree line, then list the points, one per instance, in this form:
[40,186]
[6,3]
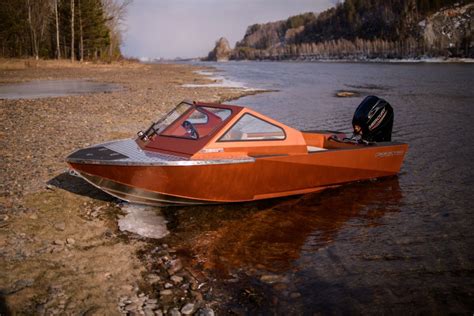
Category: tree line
[72,29]
[391,20]
[336,49]
[361,29]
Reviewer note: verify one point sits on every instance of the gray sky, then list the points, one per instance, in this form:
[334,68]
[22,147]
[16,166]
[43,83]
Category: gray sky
[189,28]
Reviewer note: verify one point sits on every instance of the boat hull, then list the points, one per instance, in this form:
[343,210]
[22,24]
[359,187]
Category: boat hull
[260,178]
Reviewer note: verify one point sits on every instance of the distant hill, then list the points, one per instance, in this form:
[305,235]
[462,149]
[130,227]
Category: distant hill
[366,29]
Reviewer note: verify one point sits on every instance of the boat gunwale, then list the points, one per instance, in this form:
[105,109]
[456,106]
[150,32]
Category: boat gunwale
[234,160]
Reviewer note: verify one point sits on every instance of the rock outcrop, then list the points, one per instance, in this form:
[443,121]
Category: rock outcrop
[450,30]
[357,30]
[221,51]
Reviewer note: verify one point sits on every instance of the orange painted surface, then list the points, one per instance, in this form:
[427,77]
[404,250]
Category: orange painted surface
[264,178]
[281,167]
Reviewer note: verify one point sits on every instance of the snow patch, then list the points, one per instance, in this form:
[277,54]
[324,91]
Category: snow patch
[146,221]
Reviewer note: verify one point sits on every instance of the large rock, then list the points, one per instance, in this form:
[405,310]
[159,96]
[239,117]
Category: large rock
[221,51]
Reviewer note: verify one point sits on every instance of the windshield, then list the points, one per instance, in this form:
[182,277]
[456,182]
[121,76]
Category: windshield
[251,128]
[189,121]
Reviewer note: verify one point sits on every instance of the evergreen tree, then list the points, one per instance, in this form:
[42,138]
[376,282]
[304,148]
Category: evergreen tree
[76,29]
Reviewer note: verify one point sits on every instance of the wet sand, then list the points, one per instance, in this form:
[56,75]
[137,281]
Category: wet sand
[61,249]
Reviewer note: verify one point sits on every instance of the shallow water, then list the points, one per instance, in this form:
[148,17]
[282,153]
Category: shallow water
[53,88]
[392,245]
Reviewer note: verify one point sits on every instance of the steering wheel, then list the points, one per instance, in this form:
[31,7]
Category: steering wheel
[190,130]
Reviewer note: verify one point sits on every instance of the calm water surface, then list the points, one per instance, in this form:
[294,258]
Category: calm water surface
[38,89]
[392,245]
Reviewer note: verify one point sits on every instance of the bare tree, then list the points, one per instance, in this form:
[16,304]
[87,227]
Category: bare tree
[115,11]
[81,41]
[38,14]
[72,30]
[58,51]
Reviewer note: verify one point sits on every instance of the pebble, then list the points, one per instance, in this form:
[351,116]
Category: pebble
[131,307]
[153,278]
[158,312]
[33,216]
[70,241]
[168,285]
[175,266]
[60,226]
[166,292]
[176,279]
[19,285]
[187,309]
[127,288]
[272,278]
[151,306]
[59,242]
[295,295]
[206,311]
[174,312]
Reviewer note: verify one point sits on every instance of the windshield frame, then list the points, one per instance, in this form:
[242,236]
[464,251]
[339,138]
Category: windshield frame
[157,129]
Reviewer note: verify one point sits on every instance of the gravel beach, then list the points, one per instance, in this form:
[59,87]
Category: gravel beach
[61,251]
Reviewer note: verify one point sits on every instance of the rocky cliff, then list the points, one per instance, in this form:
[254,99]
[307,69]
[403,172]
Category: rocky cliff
[365,29]
[449,31]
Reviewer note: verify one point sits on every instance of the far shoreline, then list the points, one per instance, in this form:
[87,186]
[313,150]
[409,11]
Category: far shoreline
[348,60]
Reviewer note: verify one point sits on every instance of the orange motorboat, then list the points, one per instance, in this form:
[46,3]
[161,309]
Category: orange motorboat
[214,153]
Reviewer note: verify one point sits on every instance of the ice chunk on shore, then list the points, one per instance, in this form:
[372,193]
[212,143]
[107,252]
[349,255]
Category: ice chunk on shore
[219,82]
[146,221]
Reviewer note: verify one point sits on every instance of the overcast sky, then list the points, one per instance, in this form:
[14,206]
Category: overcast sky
[189,28]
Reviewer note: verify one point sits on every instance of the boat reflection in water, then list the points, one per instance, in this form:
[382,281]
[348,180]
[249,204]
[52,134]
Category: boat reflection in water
[271,235]
[291,240]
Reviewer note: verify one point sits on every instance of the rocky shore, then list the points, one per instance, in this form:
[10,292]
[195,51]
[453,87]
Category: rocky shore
[61,251]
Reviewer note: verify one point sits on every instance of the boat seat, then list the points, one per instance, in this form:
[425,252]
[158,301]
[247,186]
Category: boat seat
[313,149]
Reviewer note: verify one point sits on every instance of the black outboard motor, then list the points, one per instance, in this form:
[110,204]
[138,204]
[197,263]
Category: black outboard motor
[373,120]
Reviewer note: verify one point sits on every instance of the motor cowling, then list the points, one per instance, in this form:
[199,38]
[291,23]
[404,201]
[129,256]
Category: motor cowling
[373,120]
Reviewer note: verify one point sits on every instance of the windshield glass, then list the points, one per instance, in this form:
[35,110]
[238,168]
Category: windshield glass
[251,128]
[189,121]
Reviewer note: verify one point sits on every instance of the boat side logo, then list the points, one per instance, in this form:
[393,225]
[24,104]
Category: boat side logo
[384,154]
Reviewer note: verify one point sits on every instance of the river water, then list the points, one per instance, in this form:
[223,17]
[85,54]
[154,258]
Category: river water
[401,244]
